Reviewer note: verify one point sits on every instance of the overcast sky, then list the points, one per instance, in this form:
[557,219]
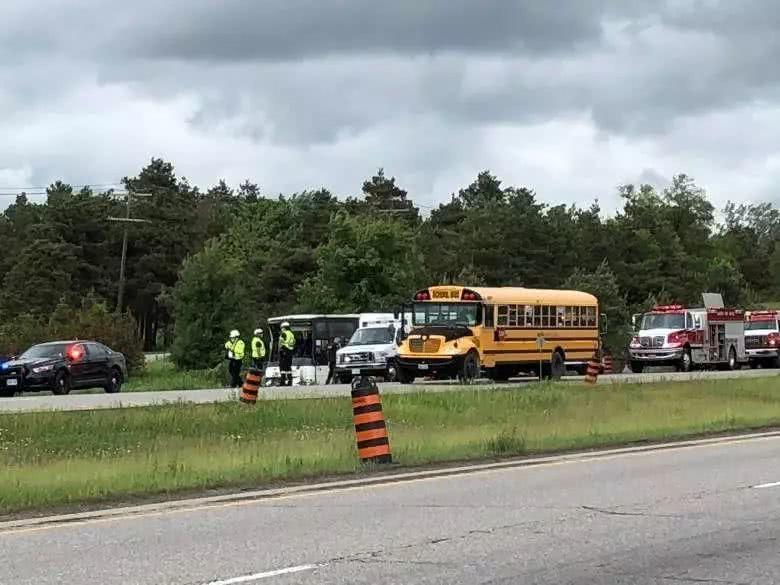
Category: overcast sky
[569,97]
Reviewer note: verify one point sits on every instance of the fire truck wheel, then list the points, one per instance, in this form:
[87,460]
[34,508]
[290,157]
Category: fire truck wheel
[686,362]
[733,364]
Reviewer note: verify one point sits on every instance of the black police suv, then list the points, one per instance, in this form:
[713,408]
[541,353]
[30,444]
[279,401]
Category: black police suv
[61,366]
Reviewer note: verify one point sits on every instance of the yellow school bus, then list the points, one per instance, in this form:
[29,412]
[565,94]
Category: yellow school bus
[463,332]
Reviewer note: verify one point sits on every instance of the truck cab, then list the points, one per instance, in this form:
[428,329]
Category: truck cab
[762,338]
[371,350]
[666,336]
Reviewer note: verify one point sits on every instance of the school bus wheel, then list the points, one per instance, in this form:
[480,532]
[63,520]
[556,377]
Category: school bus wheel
[469,368]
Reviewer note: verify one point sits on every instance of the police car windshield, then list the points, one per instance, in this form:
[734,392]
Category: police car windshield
[372,336]
[663,321]
[44,351]
[757,325]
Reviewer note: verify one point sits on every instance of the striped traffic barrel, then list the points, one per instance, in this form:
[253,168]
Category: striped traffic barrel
[373,443]
[251,387]
[592,373]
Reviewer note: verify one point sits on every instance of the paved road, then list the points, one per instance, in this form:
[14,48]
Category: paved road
[94,401]
[689,515]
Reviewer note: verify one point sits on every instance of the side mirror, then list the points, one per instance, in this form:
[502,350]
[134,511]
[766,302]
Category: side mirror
[395,315]
[635,319]
[697,322]
[604,323]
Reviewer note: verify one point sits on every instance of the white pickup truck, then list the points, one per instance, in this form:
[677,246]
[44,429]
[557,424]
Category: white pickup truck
[762,338]
[371,350]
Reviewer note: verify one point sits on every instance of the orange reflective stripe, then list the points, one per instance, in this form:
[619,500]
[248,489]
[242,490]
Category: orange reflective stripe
[372,434]
[368,417]
[366,400]
[374,451]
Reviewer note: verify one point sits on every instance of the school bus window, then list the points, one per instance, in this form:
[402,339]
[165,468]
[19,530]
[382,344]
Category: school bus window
[513,315]
[528,315]
[575,316]
[590,313]
[503,316]
[567,317]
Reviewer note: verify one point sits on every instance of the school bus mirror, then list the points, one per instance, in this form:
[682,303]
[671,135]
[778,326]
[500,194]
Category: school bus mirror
[604,322]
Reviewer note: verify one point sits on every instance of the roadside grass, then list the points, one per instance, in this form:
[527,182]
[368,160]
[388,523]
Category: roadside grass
[163,375]
[67,459]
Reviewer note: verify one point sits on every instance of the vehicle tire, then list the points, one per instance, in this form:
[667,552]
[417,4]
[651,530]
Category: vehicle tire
[773,363]
[114,384]
[345,378]
[391,375]
[6,393]
[557,366]
[469,370]
[686,361]
[404,375]
[500,373]
[732,364]
[636,367]
[61,383]
[753,364]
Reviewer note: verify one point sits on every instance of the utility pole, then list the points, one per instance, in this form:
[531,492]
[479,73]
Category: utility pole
[126,220]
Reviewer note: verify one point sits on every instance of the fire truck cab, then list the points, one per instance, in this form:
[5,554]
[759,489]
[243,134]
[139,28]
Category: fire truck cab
[762,338]
[674,335]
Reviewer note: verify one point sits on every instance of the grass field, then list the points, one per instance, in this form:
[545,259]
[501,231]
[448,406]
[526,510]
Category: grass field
[163,375]
[55,459]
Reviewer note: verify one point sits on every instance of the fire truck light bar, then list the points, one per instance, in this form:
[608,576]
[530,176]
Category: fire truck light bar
[762,315]
[667,308]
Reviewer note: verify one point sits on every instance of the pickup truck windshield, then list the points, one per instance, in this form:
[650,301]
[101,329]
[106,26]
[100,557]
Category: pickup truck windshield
[372,336]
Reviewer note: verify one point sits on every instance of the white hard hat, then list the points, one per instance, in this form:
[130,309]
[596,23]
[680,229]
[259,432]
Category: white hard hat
[235,333]
[258,331]
[286,324]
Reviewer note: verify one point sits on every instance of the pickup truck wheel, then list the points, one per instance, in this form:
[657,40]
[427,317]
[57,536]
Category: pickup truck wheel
[114,383]
[61,384]
[405,376]
[6,393]
[636,367]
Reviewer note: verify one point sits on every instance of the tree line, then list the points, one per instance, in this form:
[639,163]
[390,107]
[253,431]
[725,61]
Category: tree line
[209,261]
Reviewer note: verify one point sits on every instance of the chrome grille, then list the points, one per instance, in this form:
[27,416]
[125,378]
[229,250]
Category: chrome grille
[754,341]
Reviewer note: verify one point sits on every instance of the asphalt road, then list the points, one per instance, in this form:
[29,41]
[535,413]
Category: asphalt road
[690,515]
[94,401]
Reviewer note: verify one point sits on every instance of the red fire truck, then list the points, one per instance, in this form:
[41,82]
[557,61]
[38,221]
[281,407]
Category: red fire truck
[674,335]
[762,338]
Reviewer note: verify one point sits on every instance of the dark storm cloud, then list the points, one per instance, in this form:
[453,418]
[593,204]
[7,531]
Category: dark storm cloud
[292,29]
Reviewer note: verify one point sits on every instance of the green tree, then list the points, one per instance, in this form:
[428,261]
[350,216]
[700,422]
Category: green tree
[366,264]
[209,300]
[603,284]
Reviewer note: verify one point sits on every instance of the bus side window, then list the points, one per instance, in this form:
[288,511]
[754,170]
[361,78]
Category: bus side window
[537,316]
[560,316]
[591,316]
[569,312]
[528,321]
[503,316]
[575,317]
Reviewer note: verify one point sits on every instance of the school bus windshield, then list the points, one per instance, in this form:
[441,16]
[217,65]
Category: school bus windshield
[446,314]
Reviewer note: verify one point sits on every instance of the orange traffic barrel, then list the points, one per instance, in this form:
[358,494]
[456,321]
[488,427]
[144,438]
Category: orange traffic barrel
[373,444]
[251,386]
[592,373]
[606,362]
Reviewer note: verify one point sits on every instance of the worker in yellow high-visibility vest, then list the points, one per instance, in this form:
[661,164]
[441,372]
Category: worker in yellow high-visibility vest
[234,350]
[258,349]
[286,348]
